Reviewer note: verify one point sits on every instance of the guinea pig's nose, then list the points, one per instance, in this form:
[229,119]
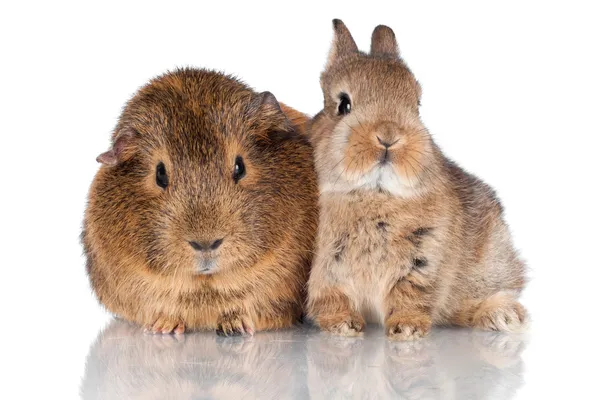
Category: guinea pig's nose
[206,245]
[215,245]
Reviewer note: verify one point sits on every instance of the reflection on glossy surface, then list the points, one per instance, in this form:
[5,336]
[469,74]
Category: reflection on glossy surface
[125,363]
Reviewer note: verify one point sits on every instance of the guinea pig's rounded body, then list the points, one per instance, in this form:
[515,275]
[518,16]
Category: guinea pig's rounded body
[204,213]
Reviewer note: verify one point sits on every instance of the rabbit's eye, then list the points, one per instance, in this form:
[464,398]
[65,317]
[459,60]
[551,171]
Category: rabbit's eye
[162,179]
[239,169]
[345,106]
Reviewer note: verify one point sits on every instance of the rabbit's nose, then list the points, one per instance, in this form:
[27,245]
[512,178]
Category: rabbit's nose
[386,142]
[387,134]
[206,245]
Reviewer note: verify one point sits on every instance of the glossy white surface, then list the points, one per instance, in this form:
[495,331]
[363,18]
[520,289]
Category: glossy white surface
[125,363]
[510,91]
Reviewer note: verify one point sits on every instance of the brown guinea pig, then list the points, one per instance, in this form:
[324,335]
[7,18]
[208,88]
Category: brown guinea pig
[204,212]
[406,237]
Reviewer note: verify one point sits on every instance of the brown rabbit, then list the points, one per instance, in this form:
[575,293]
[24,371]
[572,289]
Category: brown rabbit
[204,212]
[406,237]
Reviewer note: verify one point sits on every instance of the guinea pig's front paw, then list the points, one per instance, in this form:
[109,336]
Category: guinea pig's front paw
[411,328]
[165,325]
[234,324]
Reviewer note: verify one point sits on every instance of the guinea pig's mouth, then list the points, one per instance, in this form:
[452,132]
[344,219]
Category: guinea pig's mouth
[206,267]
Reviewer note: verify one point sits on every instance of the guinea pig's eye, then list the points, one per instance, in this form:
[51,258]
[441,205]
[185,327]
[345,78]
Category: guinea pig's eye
[239,169]
[162,179]
[345,105]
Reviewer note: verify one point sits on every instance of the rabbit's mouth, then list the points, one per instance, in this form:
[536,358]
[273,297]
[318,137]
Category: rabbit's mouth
[384,178]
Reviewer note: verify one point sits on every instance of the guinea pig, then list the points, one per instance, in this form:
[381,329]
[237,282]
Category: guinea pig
[406,237]
[203,213]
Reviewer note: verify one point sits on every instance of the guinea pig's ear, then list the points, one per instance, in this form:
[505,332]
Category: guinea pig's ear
[119,150]
[343,44]
[266,114]
[383,42]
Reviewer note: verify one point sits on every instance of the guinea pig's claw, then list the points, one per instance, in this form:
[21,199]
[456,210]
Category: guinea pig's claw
[180,329]
[165,326]
[234,326]
[228,332]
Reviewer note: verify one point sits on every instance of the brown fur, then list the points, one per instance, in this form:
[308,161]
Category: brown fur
[406,237]
[298,119]
[136,234]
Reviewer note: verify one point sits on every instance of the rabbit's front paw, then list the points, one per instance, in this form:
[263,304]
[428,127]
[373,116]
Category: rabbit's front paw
[408,328]
[351,325]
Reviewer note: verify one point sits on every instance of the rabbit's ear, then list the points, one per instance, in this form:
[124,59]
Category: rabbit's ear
[383,42]
[122,142]
[343,43]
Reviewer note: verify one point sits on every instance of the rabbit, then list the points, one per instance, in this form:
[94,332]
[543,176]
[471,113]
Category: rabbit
[204,212]
[406,238]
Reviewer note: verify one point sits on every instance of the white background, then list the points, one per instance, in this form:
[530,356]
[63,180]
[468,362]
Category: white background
[511,91]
